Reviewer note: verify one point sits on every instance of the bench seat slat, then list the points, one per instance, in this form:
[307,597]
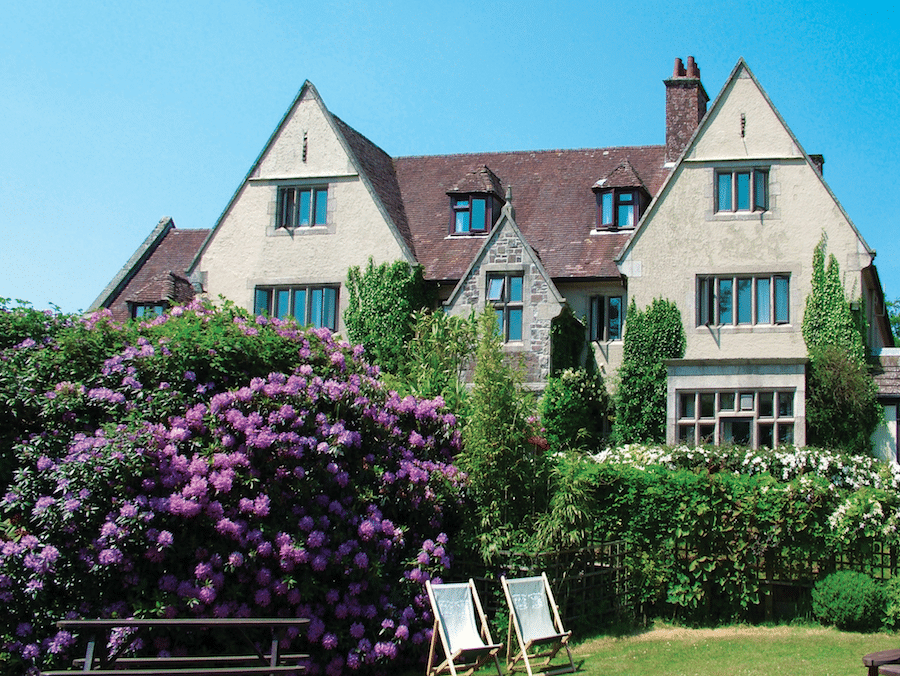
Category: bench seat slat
[205,659]
[186,671]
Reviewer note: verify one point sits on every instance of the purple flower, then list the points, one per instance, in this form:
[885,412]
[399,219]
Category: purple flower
[109,557]
[42,503]
[329,641]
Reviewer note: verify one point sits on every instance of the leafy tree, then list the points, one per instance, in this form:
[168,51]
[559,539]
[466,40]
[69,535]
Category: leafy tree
[893,308]
[379,313]
[568,345]
[574,410]
[651,336]
[503,472]
[842,407]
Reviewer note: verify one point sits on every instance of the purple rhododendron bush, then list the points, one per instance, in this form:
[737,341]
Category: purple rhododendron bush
[172,473]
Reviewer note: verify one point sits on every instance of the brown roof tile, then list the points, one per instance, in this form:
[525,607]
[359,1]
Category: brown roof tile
[887,375]
[556,209]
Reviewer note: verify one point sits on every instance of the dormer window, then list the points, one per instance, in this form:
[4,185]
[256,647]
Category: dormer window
[619,208]
[471,213]
[475,202]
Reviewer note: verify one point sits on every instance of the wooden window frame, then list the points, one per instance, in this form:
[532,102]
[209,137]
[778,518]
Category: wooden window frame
[288,211]
[721,303]
[757,198]
[281,302]
[600,326]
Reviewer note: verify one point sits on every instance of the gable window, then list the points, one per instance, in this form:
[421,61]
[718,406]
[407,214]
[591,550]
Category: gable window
[147,310]
[471,214]
[742,190]
[619,208]
[309,305]
[606,318]
[755,418]
[743,300]
[301,207]
[505,294]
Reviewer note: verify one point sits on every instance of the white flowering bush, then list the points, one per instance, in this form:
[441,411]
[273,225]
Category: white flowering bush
[176,476]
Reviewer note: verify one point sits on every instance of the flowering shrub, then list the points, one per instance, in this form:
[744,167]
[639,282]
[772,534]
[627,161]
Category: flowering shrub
[154,490]
[575,410]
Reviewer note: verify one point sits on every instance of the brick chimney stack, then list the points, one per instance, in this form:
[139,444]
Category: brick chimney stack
[686,101]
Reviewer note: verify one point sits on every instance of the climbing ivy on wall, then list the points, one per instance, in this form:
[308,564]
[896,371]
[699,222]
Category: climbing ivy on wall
[379,314]
[842,407]
[568,343]
[651,336]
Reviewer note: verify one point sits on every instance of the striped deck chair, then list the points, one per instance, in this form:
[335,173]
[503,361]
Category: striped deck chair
[534,618]
[461,628]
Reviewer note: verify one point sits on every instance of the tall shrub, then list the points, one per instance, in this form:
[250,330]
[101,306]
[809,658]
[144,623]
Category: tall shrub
[152,490]
[379,312]
[574,410]
[842,407]
[503,472]
[651,336]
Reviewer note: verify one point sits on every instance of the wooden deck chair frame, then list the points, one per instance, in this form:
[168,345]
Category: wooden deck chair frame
[532,648]
[465,660]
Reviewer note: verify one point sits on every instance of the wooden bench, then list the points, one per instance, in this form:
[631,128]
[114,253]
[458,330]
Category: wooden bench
[885,662]
[257,662]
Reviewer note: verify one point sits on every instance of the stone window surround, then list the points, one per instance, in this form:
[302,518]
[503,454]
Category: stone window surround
[272,184]
[772,213]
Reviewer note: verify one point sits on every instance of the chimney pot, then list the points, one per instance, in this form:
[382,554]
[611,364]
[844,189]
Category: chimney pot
[679,68]
[692,69]
[686,101]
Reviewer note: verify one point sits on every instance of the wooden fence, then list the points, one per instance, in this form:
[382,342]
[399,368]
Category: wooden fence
[591,585]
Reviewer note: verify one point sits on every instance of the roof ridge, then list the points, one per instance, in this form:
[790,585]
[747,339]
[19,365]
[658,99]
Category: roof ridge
[532,152]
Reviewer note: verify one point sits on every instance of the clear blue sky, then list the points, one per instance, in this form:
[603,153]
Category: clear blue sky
[114,114]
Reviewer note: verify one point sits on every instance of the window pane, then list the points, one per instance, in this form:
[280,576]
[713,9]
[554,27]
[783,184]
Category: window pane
[765,435]
[785,433]
[686,434]
[288,206]
[725,192]
[321,206]
[726,401]
[329,310]
[687,402]
[515,324]
[766,404]
[726,302]
[282,303]
[736,431]
[300,306]
[705,297]
[707,405]
[760,190]
[515,289]
[261,302]
[606,210]
[495,288]
[598,321]
[304,207]
[615,318]
[315,307]
[781,300]
[785,404]
[744,300]
[746,401]
[478,214]
[743,192]
[707,434]
[626,216]
[499,314]
[763,301]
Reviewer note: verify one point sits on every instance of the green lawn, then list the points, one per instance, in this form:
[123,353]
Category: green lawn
[729,651]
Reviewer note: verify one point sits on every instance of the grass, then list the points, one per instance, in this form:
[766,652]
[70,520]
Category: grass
[728,651]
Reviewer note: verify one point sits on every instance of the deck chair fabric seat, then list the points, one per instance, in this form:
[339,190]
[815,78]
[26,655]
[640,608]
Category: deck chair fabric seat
[461,628]
[534,620]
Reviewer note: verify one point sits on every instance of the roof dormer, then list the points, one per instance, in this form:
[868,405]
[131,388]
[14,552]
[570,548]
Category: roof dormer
[622,198]
[475,202]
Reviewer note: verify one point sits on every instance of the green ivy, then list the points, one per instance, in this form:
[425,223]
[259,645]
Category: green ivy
[842,407]
[568,343]
[651,336]
[379,312]
[574,410]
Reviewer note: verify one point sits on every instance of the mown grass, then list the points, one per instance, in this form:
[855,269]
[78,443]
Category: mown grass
[728,651]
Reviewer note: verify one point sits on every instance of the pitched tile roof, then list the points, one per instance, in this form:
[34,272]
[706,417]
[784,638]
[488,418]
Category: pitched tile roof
[556,210]
[158,270]
[887,374]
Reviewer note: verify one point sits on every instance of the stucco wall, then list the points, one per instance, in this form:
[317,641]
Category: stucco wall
[247,250]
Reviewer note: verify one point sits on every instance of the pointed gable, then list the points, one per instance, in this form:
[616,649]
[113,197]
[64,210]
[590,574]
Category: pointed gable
[479,180]
[623,176]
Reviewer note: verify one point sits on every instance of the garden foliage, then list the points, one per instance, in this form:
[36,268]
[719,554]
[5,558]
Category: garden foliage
[206,463]
[506,478]
[849,600]
[702,523]
[382,300]
[651,336]
[842,407]
[574,410]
